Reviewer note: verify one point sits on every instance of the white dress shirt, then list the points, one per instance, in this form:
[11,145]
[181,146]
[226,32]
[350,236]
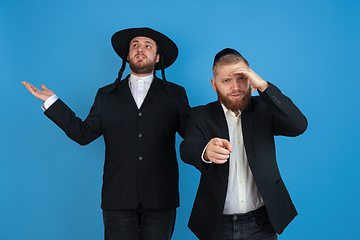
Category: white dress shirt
[242,194]
[139,87]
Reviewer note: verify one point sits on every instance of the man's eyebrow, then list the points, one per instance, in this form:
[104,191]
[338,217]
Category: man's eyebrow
[138,41]
[149,42]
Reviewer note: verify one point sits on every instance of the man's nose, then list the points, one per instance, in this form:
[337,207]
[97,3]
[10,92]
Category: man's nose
[140,48]
[235,85]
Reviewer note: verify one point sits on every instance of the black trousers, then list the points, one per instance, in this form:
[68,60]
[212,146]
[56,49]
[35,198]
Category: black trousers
[139,223]
[254,225]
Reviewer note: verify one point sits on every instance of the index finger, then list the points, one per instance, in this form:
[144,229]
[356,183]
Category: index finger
[221,150]
[228,145]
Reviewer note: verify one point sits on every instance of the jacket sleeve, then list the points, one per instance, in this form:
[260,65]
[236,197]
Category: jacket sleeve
[82,132]
[192,147]
[184,110]
[287,118]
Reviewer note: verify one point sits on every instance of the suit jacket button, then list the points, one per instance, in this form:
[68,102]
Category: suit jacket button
[140,158]
[140,114]
[140,135]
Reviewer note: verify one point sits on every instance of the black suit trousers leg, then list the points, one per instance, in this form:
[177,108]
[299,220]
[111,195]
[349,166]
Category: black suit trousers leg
[139,223]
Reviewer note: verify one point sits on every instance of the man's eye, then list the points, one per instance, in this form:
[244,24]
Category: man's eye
[148,46]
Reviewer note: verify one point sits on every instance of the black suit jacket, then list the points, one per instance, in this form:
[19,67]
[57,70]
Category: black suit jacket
[140,160]
[267,115]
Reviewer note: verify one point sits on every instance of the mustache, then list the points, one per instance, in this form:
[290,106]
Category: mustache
[237,92]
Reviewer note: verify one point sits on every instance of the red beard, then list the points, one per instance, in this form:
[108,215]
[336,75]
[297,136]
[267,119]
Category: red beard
[235,105]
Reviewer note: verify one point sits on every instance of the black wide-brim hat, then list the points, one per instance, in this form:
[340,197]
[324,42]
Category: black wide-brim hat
[168,49]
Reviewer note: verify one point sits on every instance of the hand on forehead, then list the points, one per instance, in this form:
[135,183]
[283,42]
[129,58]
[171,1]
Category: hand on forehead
[240,71]
[229,70]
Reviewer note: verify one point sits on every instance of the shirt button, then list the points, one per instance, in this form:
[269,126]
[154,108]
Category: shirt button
[140,114]
[238,142]
[140,135]
[140,158]
[242,201]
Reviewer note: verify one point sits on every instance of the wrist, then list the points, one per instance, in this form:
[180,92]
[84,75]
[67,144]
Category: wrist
[264,86]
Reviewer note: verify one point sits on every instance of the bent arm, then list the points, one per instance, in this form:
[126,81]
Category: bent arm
[82,132]
[288,120]
[194,143]
[184,110]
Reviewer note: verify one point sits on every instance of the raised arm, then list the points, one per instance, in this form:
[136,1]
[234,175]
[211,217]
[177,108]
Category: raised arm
[288,119]
[82,132]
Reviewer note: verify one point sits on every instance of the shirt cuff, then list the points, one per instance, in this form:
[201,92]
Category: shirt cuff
[202,155]
[48,102]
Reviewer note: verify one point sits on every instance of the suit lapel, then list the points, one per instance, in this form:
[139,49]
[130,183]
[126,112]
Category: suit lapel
[154,89]
[247,135]
[224,133]
[125,90]
[221,119]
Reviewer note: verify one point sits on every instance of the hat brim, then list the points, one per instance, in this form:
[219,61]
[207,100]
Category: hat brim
[121,40]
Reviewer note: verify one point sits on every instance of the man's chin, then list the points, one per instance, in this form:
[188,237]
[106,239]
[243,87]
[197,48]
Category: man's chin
[236,99]
[141,69]
[235,104]
[139,65]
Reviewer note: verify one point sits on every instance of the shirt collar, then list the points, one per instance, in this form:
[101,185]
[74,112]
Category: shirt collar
[147,79]
[228,111]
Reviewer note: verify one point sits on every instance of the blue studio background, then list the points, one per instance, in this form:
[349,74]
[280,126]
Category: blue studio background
[50,186]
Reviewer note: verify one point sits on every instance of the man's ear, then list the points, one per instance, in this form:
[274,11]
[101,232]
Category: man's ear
[157,58]
[213,84]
